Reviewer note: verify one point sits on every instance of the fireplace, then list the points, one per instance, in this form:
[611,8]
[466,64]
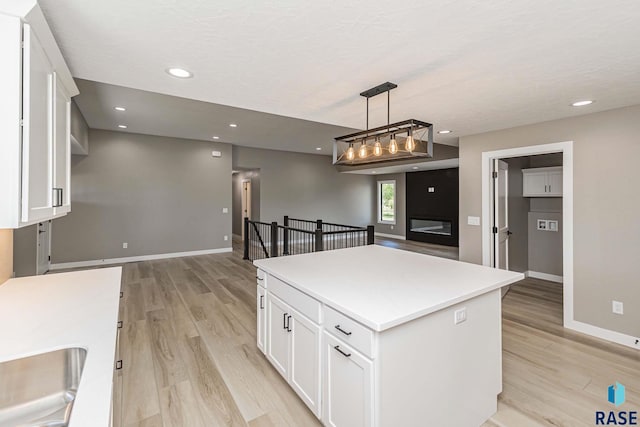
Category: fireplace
[432,206]
[431,226]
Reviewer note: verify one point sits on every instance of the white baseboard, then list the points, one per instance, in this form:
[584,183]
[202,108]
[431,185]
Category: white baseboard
[605,334]
[391,236]
[109,261]
[543,276]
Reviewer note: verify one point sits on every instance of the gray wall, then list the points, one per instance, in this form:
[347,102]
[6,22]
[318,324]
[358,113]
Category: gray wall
[518,213]
[238,178]
[306,186]
[25,251]
[606,228]
[160,195]
[399,229]
[79,131]
[545,247]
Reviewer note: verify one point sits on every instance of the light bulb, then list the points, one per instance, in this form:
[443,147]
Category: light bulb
[377,148]
[350,153]
[362,151]
[410,144]
[393,146]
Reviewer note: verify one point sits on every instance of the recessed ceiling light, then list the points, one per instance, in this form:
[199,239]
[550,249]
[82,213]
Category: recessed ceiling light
[582,103]
[181,73]
[122,126]
[215,137]
[120,108]
[233,125]
[444,131]
[414,168]
[318,148]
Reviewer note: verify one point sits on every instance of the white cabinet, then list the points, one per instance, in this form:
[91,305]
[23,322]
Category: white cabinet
[34,122]
[542,182]
[293,348]
[348,385]
[261,310]
[37,131]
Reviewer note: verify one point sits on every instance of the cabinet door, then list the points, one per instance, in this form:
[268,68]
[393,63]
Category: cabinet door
[62,149]
[534,184]
[261,321]
[278,342]
[554,183]
[37,134]
[348,386]
[305,360]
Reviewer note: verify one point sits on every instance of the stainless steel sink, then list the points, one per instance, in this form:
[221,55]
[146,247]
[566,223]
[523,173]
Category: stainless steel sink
[39,391]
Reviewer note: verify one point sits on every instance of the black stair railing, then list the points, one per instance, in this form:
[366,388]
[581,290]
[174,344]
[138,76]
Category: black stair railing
[298,236]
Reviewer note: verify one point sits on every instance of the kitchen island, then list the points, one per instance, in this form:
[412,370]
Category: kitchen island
[41,314]
[374,336]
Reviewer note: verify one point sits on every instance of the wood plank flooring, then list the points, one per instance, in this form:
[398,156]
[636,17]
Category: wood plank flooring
[190,358]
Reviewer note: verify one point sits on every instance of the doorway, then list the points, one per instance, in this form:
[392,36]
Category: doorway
[43,256]
[495,208]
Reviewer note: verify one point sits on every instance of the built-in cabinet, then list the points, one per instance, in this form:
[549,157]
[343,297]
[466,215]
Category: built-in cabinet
[36,129]
[542,182]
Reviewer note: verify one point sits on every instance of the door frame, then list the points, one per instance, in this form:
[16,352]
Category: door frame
[566,148]
[495,242]
[245,202]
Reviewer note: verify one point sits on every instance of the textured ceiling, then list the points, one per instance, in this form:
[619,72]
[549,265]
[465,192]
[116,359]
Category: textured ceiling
[156,114]
[467,65]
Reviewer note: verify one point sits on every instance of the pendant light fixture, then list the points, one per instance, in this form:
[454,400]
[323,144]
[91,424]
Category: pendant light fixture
[417,136]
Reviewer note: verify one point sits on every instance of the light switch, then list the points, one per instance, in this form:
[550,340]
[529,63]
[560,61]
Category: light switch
[431,189]
[552,225]
[216,154]
[225,210]
[473,220]
[460,316]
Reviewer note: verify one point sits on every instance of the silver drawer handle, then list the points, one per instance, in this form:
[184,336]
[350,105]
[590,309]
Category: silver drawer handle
[342,330]
[342,352]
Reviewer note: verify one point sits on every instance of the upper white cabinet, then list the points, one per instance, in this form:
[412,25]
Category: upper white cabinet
[542,182]
[35,154]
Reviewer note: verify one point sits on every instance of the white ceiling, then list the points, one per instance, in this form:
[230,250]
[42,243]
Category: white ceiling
[465,65]
[156,114]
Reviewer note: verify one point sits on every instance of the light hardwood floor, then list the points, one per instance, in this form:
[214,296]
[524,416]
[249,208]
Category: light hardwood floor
[190,358]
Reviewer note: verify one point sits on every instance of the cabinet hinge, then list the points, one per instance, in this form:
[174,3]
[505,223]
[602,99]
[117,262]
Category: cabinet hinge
[495,230]
[494,175]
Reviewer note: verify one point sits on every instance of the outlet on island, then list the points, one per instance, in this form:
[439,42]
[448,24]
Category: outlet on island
[125,245]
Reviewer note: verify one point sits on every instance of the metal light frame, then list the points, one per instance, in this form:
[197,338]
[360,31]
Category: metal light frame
[421,132]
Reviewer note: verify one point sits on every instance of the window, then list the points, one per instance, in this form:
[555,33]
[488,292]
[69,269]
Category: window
[387,202]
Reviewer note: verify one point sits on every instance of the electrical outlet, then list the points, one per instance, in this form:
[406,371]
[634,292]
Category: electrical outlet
[226,238]
[431,190]
[125,245]
[392,227]
[617,307]
[225,210]
[460,316]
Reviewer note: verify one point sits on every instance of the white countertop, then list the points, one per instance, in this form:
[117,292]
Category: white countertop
[382,287]
[79,309]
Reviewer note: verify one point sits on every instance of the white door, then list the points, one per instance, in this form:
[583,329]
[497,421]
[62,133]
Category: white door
[62,149]
[261,317]
[554,183]
[37,137]
[44,245]
[278,341]
[305,360]
[501,214]
[246,202]
[348,386]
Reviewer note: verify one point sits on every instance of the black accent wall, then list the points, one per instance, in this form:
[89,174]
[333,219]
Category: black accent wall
[441,204]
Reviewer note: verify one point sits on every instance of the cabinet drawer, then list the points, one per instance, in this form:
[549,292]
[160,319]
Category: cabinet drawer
[299,301]
[260,278]
[349,331]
